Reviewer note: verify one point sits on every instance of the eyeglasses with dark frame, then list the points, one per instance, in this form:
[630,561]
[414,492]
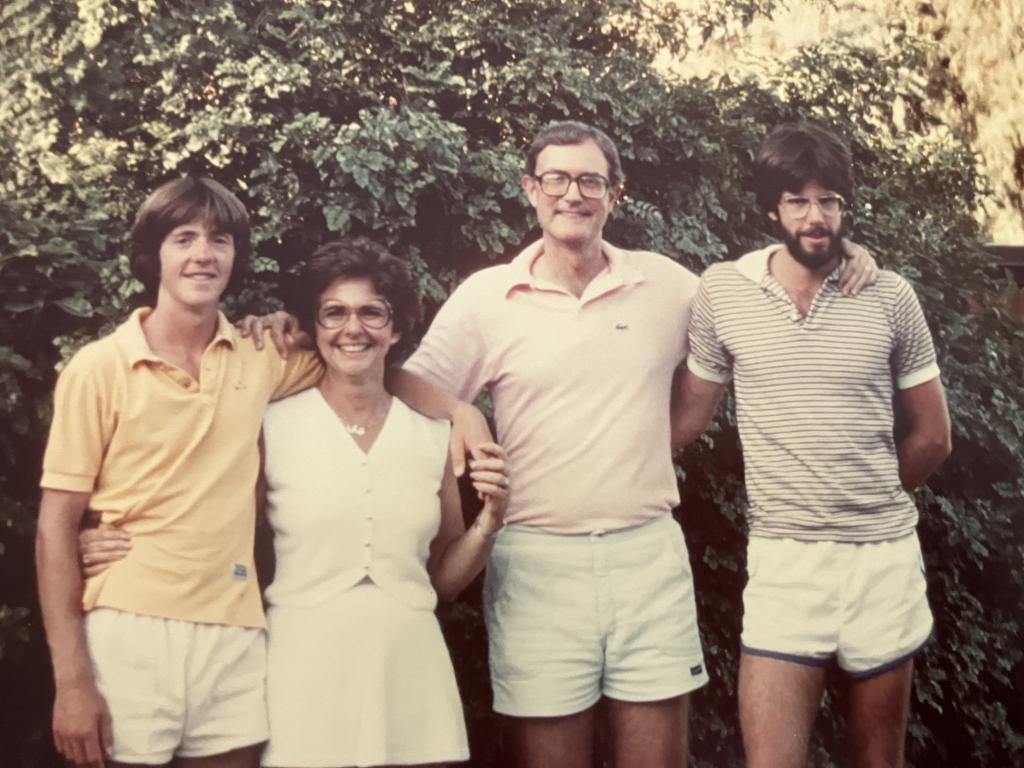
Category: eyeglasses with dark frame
[799,207]
[593,186]
[333,315]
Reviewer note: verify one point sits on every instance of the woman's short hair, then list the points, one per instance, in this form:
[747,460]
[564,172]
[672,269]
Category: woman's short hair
[361,257]
[796,153]
[569,133]
[179,202]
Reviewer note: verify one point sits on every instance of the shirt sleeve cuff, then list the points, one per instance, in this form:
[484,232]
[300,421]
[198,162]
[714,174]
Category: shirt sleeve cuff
[57,481]
[919,376]
[708,374]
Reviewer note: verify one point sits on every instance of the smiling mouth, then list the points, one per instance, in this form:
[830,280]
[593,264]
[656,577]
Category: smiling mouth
[353,348]
[202,276]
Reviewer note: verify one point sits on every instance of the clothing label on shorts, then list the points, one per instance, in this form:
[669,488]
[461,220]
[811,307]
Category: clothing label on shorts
[695,671]
[240,572]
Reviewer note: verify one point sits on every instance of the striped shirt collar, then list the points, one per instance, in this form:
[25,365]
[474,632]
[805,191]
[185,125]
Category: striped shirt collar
[754,266]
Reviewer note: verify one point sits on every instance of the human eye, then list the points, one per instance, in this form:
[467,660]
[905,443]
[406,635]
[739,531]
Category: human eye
[222,238]
[593,183]
[333,312]
[831,203]
[796,202]
[374,313]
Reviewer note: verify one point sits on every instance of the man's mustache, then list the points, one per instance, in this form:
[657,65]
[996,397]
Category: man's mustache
[815,232]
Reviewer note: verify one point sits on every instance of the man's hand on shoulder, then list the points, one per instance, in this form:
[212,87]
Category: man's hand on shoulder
[81,725]
[284,329]
[861,269]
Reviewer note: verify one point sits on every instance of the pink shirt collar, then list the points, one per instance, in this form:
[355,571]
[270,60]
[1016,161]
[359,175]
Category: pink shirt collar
[618,272]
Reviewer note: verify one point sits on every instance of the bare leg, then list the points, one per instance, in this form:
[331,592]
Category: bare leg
[554,742]
[878,710]
[245,757]
[651,734]
[779,702]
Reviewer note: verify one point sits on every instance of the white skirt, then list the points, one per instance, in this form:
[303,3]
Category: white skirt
[361,680]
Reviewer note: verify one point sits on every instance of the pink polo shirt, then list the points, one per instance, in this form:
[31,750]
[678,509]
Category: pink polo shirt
[580,386]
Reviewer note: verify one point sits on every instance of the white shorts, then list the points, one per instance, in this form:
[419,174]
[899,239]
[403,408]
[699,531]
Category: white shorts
[177,687]
[863,605]
[572,618]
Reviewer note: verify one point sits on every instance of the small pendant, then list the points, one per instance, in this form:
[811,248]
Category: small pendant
[354,429]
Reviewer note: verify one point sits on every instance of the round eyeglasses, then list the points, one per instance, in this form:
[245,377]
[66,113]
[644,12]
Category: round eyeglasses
[799,207]
[333,315]
[590,185]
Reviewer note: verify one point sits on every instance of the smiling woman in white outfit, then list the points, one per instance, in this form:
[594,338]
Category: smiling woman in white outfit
[368,532]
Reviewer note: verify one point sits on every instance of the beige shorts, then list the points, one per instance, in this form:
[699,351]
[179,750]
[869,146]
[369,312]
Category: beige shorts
[861,605]
[178,687]
[572,618]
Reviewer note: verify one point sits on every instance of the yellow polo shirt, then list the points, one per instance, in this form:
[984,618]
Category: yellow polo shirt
[172,461]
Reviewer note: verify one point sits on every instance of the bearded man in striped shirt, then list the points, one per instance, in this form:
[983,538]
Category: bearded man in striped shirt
[835,573]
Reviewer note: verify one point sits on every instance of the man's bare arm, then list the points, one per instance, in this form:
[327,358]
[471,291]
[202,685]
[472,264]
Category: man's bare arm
[469,427]
[694,403]
[929,441]
[81,720]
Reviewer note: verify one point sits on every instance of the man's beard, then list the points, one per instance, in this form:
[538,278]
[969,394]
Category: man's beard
[818,258]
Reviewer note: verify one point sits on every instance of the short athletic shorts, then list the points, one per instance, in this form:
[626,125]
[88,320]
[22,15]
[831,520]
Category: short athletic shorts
[861,605]
[573,617]
[178,687]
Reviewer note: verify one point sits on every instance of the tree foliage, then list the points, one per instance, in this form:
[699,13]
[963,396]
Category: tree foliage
[408,122]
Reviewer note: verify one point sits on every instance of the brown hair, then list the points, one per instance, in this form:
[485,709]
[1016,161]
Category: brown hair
[179,202]
[361,257]
[796,153]
[571,132]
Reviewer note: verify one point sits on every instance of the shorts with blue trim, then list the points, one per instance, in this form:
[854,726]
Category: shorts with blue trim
[572,618]
[863,606]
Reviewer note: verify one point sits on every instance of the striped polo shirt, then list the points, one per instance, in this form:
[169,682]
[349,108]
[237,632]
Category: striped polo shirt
[814,396]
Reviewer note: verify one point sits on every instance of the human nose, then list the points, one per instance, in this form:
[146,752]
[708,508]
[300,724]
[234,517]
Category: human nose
[814,211]
[578,194]
[351,323]
[203,250]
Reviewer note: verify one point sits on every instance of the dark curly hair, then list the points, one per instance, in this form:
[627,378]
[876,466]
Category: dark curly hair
[796,153]
[361,257]
[179,202]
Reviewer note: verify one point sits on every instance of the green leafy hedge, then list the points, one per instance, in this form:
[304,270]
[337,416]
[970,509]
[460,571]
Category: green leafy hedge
[408,122]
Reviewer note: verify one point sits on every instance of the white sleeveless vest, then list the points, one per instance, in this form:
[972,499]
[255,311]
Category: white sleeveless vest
[340,515]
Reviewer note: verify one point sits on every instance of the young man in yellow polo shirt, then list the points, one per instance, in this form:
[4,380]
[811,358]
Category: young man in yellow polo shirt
[155,429]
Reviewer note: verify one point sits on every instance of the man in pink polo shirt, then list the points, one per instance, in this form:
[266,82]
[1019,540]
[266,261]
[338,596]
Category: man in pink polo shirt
[589,593]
